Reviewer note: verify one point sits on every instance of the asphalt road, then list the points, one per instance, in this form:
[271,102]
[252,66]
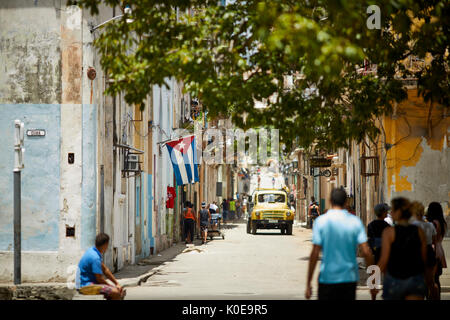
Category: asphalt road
[267,265]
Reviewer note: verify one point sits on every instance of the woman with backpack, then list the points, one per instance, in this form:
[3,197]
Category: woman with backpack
[313,211]
[205,219]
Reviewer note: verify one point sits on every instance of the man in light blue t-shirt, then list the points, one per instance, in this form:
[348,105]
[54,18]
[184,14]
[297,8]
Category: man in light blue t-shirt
[338,234]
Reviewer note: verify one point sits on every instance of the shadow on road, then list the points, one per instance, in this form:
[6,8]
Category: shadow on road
[229,225]
[270,234]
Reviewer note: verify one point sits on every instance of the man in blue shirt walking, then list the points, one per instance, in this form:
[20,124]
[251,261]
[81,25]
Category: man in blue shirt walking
[92,272]
[338,234]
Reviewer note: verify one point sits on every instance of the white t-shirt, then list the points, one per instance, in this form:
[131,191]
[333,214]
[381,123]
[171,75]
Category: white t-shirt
[427,227]
[389,220]
[213,206]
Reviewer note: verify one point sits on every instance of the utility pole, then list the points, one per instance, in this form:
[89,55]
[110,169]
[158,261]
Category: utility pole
[18,166]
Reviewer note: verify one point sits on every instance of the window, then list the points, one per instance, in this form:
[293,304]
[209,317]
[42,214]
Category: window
[271,197]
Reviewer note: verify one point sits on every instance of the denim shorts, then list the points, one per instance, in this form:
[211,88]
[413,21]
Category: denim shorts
[398,289]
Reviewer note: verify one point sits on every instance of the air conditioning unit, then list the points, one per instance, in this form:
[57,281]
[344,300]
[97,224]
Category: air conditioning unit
[132,163]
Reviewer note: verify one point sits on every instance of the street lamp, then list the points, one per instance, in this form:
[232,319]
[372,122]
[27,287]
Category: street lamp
[126,11]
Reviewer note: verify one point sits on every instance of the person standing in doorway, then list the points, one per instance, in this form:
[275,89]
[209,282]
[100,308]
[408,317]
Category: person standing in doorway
[403,256]
[338,234]
[204,221]
[189,223]
[435,215]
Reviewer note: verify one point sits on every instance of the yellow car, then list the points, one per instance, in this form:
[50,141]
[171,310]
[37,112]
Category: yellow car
[270,210]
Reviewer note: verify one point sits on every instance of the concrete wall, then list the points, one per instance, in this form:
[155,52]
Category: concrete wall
[418,165]
[41,54]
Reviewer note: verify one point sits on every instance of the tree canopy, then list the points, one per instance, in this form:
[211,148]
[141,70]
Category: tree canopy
[231,55]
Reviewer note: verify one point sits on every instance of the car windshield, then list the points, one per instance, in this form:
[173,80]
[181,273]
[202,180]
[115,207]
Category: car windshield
[271,197]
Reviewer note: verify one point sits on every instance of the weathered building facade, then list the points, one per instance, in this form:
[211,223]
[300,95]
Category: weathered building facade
[73,184]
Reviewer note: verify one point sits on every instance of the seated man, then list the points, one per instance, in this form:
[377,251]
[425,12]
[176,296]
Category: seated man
[92,272]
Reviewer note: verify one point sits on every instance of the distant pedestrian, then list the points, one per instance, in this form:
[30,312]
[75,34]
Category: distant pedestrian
[338,234]
[244,205]
[92,272]
[232,209]
[350,208]
[238,209]
[435,215]
[225,210]
[189,223]
[403,256]
[417,218]
[375,229]
[204,221]
[313,211]
[213,208]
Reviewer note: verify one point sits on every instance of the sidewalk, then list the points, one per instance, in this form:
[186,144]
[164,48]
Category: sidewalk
[131,275]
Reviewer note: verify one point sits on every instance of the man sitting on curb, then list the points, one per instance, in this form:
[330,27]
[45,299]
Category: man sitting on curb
[92,272]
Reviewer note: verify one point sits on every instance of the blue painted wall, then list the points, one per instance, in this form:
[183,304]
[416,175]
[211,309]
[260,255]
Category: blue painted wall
[40,177]
[89,178]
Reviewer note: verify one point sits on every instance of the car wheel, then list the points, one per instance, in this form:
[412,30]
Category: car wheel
[289,229]
[253,228]
[248,227]
[283,230]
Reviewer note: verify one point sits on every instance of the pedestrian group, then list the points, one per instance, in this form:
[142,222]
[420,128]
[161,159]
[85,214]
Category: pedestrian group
[403,242]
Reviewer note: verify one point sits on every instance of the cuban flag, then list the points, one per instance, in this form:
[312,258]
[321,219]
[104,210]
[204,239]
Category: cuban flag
[183,155]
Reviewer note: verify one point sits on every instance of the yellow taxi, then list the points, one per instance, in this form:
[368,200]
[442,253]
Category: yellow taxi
[269,210]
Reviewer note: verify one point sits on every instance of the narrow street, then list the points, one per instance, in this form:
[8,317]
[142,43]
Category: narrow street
[267,265]
[128,127]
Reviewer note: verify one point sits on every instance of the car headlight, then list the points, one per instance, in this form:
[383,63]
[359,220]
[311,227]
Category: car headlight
[257,214]
[288,214]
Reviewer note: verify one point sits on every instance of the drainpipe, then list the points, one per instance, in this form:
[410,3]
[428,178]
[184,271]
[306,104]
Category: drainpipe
[102,199]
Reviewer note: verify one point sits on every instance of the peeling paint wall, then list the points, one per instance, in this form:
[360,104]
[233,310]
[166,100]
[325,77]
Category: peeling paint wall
[418,164]
[30,61]
[41,56]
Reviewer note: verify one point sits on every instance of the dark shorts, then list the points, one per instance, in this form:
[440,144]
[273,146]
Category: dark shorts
[189,228]
[203,227]
[398,289]
[337,291]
